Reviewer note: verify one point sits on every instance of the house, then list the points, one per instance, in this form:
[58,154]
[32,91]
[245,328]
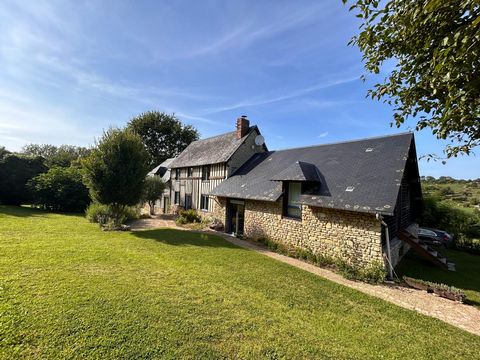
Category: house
[328,199]
[163,171]
[206,163]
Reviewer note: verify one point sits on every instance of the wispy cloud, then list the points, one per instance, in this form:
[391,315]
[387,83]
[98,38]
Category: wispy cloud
[323,134]
[252,102]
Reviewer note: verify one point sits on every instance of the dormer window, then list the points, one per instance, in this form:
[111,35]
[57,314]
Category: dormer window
[292,207]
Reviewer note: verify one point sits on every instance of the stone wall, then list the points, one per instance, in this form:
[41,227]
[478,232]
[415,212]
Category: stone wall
[351,236]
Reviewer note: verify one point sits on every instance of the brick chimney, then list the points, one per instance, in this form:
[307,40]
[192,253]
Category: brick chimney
[243,125]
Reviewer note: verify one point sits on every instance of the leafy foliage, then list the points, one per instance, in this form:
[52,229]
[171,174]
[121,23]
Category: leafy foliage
[15,171]
[62,155]
[446,216]
[152,191]
[188,217]
[436,48]
[103,214]
[3,152]
[115,170]
[163,135]
[60,189]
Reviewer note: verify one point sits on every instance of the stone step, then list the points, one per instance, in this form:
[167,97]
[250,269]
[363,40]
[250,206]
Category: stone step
[451,266]
[443,260]
[433,252]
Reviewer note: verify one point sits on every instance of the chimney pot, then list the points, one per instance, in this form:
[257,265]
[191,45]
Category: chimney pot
[243,125]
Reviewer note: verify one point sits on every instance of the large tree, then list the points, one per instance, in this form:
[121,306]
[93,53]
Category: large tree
[163,135]
[435,46]
[115,170]
[62,155]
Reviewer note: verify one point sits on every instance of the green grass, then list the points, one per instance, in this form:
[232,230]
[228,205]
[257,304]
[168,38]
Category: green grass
[466,276]
[69,290]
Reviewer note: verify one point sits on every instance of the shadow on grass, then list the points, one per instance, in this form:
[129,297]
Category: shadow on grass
[183,238]
[27,211]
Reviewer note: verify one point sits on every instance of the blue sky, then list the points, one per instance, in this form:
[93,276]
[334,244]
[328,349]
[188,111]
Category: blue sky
[70,69]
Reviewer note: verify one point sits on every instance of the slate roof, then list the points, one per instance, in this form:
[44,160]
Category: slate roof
[298,171]
[212,150]
[373,167]
[162,170]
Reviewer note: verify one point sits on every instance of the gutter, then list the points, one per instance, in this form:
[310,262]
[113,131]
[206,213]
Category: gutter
[387,238]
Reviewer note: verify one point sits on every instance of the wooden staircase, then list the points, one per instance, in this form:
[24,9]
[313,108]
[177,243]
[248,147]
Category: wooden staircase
[425,251]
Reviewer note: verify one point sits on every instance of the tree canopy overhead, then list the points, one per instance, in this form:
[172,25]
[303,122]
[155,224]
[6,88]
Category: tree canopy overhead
[436,80]
[163,135]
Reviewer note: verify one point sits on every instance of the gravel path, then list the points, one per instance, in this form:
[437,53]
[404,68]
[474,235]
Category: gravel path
[462,316]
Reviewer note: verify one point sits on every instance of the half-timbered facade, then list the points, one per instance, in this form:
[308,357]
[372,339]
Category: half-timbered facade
[205,163]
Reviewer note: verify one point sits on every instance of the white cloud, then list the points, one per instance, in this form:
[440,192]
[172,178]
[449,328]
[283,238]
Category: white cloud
[323,134]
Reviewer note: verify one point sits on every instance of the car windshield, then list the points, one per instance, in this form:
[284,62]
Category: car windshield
[426,232]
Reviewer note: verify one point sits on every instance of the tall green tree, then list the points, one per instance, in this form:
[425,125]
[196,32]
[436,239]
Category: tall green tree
[153,190]
[62,155]
[163,135]
[3,152]
[15,171]
[115,170]
[435,45]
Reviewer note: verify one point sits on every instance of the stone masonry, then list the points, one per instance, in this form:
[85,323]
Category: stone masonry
[352,236]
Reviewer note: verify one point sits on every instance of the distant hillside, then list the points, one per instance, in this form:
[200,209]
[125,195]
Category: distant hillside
[462,193]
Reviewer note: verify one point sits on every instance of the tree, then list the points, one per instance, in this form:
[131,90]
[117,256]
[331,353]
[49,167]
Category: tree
[115,171]
[62,155]
[153,190]
[436,80]
[3,152]
[60,189]
[163,135]
[15,171]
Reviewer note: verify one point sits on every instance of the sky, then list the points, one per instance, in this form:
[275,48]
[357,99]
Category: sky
[71,69]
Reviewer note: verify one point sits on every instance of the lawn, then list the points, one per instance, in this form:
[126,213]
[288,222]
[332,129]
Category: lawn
[69,290]
[466,276]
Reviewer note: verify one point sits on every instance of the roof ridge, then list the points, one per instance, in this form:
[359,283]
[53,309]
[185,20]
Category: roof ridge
[344,142]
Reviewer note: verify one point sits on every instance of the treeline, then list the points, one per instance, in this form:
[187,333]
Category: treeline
[448,179]
[45,175]
[111,174]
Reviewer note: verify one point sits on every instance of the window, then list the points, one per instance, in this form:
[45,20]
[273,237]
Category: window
[177,174]
[206,172]
[177,197]
[188,202]
[190,172]
[204,202]
[292,207]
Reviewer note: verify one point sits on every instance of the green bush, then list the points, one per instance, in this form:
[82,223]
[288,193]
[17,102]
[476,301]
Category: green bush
[461,223]
[15,171]
[60,189]
[188,217]
[104,215]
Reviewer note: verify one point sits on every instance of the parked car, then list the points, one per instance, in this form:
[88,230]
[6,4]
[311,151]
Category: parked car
[428,237]
[444,236]
[434,236]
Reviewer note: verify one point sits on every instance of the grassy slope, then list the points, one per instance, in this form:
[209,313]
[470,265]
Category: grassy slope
[467,276]
[69,290]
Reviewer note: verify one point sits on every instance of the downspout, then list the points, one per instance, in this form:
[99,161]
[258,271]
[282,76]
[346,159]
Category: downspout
[387,238]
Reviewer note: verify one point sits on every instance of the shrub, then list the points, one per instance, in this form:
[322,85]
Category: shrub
[60,189]
[152,191]
[115,171]
[104,215]
[15,171]
[188,217]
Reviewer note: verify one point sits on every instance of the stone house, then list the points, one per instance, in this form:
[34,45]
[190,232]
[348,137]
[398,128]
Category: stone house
[328,199]
[344,200]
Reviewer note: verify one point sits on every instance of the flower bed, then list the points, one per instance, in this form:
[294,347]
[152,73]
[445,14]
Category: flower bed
[445,291]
